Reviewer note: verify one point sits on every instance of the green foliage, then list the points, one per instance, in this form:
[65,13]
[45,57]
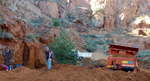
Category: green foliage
[108,35]
[56,23]
[62,47]
[97,10]
[23,16]
[40,34]
[6,2]
[105,48]
[5,34]
[90,48]
[99,42]
[86,30]
[36,22]
[69,16]
[1,18]
[65,22]
[93,36]
[31,37]
[143,54]
[88,36]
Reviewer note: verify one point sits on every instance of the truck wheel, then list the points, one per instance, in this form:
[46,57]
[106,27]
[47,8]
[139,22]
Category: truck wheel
[81,58]
[110,69]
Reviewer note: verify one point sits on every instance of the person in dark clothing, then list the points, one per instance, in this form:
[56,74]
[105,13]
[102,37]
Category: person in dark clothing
[49,57]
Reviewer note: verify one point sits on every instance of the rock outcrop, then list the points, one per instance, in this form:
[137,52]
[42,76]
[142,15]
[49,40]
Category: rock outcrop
[17,27]
[50,8]
[28,52]
[98,20]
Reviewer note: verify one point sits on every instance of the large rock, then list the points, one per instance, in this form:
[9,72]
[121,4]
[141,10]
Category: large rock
[84,3]
[35,56]
[48,37]
[140,26]
[17,27]
[63,6]
[98,20]
[50,8]
[16,56]
[29,53]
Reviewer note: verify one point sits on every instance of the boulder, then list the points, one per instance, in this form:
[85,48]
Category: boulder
[84,3]
[98,20]
[17,27]
[50,8]
[35,56]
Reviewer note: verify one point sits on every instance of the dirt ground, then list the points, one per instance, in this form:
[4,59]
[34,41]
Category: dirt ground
[98,54]
[71,73]
[124,56]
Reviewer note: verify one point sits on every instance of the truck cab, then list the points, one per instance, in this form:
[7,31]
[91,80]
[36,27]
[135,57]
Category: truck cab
[122,56]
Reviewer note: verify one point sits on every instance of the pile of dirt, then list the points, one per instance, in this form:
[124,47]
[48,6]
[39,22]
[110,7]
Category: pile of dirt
[71,73]
[95,64]
[102,63]
[122,55]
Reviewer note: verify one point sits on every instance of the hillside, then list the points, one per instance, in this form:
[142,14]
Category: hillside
[27,26]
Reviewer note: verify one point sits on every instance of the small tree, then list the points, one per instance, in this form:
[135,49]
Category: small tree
[62,47]
[56,23]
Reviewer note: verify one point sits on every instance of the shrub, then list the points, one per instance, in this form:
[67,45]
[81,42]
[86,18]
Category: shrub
[80,29]
[36,22]
[62,47]
[143,54]
[6,2]
[93,36]
[31,37]
[1,18]
[99,10]
[90,48]
[99,42]
[42,33]
[86,30]
[56,23]
[5,34]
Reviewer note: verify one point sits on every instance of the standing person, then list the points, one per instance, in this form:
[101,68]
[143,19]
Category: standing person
[5,67]
[49,57]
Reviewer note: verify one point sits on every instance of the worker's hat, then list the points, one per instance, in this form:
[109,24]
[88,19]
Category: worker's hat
[2,64]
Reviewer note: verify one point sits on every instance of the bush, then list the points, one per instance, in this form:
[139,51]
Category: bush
[93,36]
[80,29]
[1,18]
[143,54]
[99,42]
[86,30]
[5,34]
[36,22]
[62,47]
[56,23]
[31,37]
[90,48]
[99,10]
[41,34]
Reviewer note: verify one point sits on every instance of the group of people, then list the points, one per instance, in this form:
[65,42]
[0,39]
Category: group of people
[10,67]
[49,57]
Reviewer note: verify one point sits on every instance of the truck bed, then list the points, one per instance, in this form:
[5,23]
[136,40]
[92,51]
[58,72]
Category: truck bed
[122,55]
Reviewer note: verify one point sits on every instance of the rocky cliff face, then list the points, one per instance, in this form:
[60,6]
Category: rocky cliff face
[29,28]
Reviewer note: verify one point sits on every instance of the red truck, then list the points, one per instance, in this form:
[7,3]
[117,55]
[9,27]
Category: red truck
[122,56]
